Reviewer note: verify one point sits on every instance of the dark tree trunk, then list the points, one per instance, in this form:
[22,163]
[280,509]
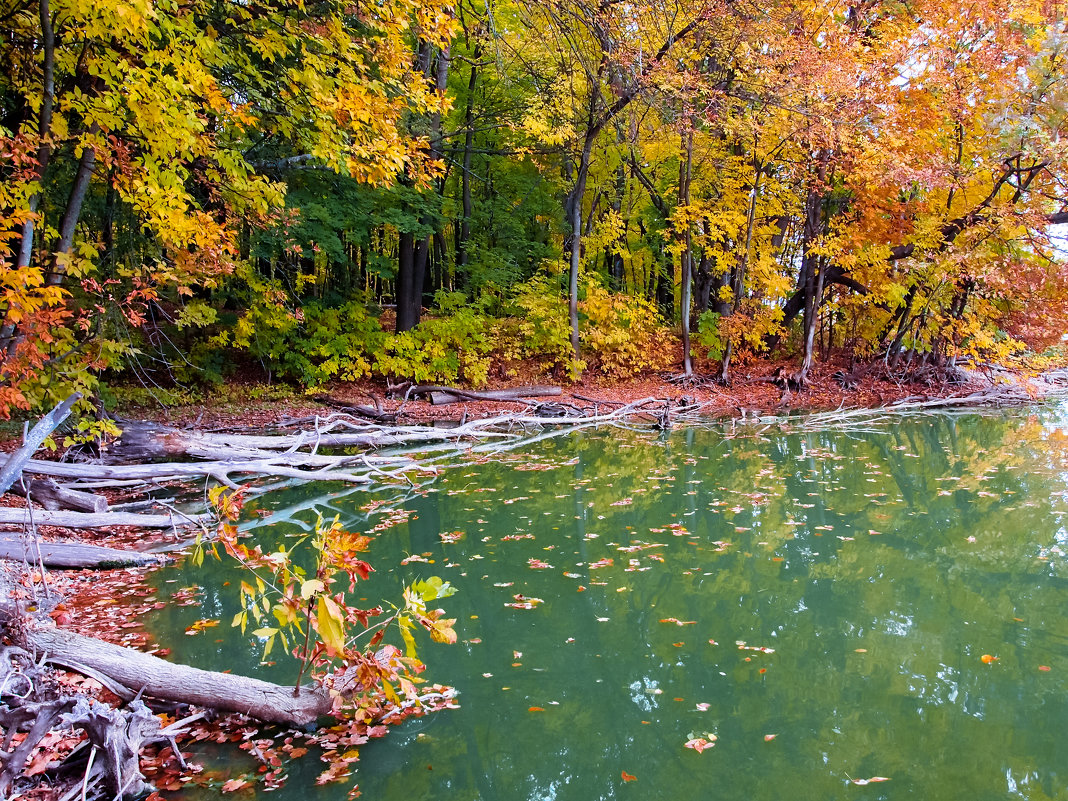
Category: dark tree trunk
[464,236]
[408,296]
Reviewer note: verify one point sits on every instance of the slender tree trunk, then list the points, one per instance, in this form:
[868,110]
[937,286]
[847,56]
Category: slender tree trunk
[73,212]
[685,175]
[574,209]
[464,239]
[44,154]
[813,275]
[741,266]
[413,256]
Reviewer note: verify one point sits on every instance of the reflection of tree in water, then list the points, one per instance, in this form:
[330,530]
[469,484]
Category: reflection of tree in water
[846,553]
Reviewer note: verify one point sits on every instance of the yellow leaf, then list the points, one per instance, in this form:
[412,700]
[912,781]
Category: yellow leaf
[330,623]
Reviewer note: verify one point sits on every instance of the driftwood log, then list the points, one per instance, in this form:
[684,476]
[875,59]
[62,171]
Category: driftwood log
[157,678]
[442,396]
[42,517]
[12,468]
[54,497]
[73,555]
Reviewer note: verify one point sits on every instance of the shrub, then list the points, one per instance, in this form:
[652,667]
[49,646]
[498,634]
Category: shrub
[623,335]
[447,349]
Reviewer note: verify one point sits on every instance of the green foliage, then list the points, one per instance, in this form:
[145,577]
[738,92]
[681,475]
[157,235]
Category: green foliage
[707,335]
[538,331]
[309,612]
[311,344]
[621,335]
[445,349]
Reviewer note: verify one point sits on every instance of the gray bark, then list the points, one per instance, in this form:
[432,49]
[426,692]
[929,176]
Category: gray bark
[166,681]
[40,432]
[72,555]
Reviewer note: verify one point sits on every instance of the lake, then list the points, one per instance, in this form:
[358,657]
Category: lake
[828,607]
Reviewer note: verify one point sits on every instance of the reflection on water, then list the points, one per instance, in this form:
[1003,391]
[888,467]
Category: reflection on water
[818,601]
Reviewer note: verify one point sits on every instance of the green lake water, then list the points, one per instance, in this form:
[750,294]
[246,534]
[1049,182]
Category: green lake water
[836,589]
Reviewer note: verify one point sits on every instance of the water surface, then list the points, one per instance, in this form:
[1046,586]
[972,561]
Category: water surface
[818,601]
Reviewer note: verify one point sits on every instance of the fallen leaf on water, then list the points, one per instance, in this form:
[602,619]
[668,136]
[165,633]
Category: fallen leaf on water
[233,785]
[199,625]
[699,744]
[627,777]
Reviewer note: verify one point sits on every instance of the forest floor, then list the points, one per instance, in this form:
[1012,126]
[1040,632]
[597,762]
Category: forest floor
[249,402]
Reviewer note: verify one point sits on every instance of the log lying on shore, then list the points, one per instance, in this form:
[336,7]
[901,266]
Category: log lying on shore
[73,555]
[54,497]
[43,517]
[157,678]
[443,396]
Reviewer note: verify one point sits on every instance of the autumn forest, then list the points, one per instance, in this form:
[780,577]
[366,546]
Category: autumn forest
[423,192]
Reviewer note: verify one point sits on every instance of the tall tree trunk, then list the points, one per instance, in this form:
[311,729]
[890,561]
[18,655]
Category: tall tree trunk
[685,175]
[73,212]
[44,154]
[407,294]
[414,255]
[464,238]
[812,275]
[741,266]
[574,210]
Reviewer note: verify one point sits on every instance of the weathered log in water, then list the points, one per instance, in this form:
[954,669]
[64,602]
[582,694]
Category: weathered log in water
[443,396]
[12,468]
[157,678]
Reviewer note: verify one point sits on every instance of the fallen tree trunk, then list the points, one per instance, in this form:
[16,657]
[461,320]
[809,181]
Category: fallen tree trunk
[370,412]
[143,441]
[277,466]
[73,555]
[46,425]
[443,396]
[43,517]
[166,681]
[54,497]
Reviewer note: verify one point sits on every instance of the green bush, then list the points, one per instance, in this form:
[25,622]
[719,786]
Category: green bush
[312,344]
[442,349]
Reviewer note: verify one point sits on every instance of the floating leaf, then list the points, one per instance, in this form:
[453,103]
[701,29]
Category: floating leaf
[699,744]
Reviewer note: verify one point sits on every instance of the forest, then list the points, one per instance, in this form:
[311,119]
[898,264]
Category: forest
[627,208]
[323,191]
